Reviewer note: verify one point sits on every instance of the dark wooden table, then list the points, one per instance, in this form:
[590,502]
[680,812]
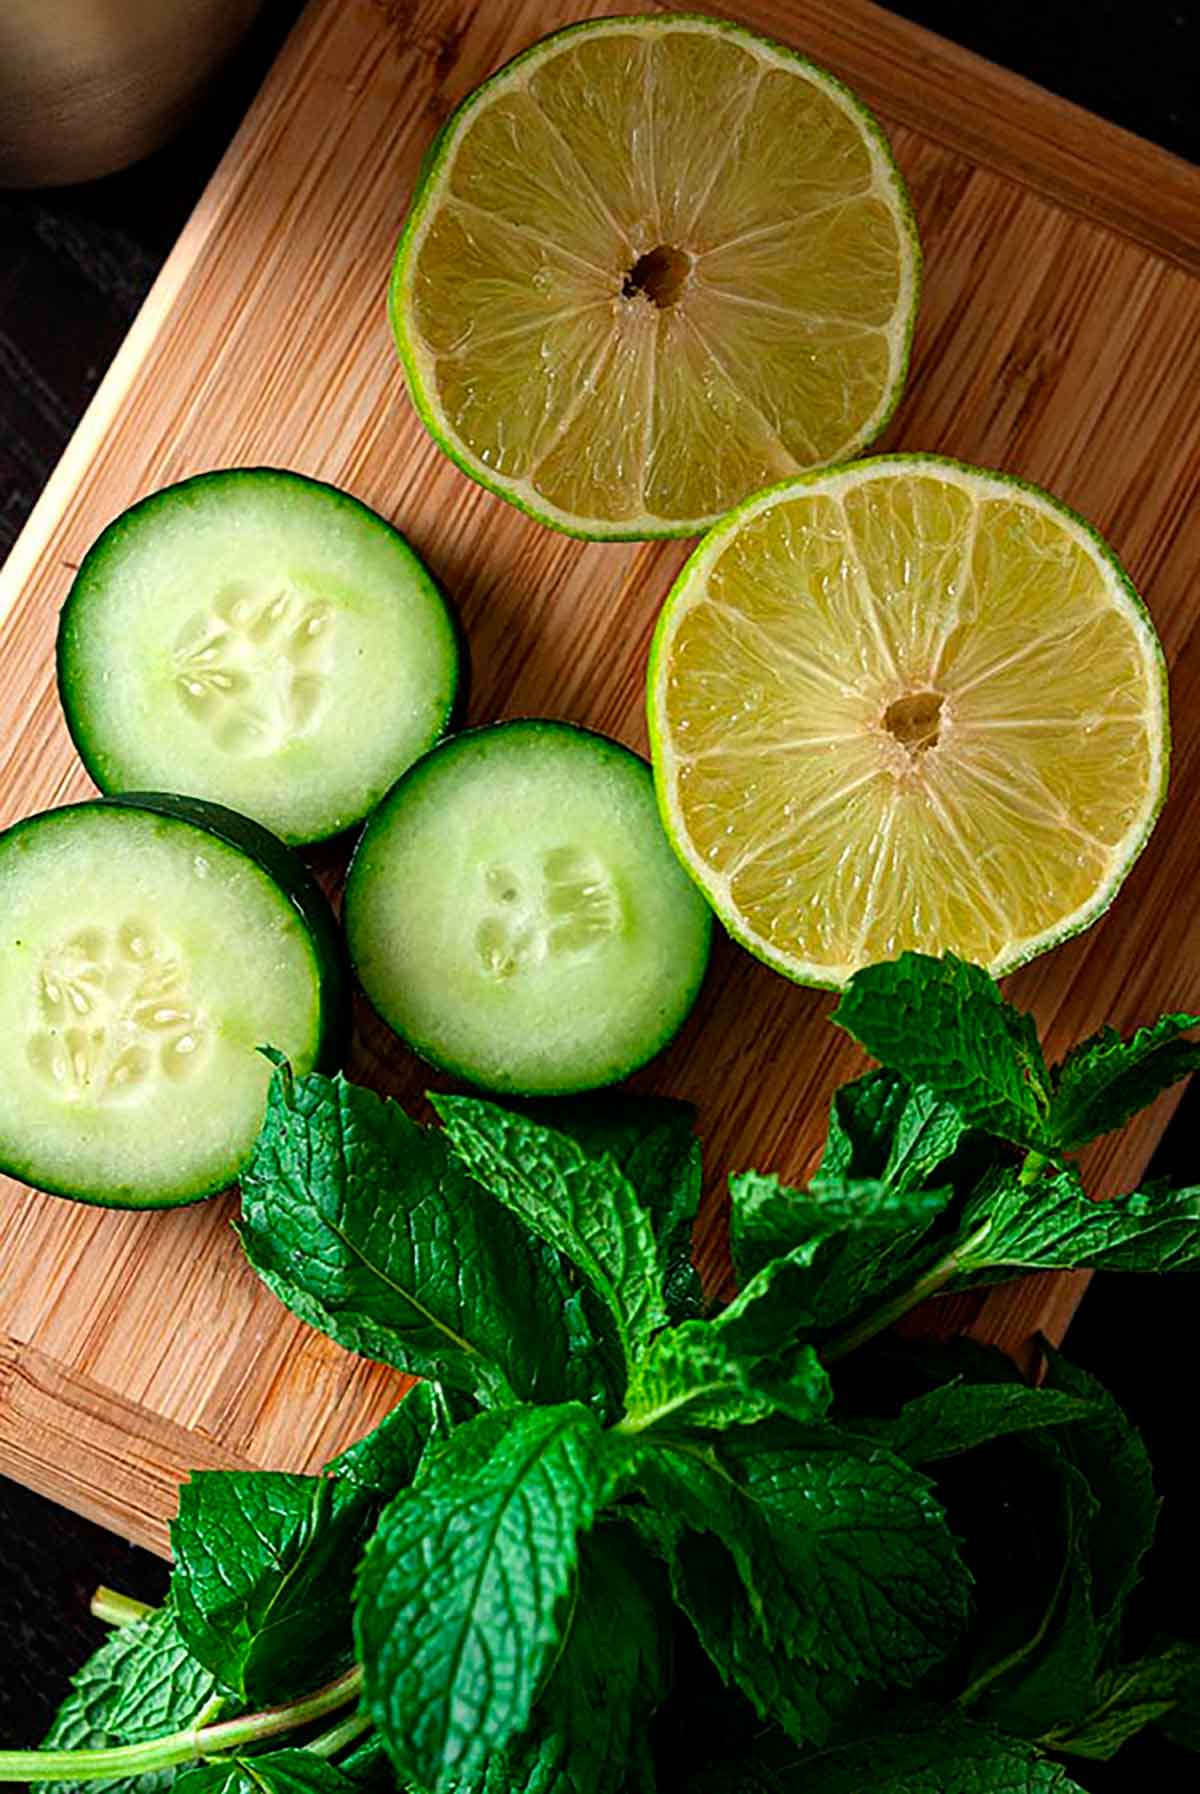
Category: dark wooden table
[74,266]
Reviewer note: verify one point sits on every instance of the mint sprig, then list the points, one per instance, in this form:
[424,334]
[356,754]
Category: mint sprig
[486,1594]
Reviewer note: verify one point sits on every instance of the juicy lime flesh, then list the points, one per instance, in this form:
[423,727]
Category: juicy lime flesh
[907,709]
[662,266]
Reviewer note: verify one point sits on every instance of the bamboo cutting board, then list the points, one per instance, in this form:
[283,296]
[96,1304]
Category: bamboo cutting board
[1059,338]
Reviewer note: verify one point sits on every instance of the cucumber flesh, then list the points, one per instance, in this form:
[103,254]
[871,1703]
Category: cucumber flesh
[260,639]
[144,959]
[515,912]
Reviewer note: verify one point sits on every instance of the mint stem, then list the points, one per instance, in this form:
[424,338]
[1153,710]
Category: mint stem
[345,1732]
[934,1279]
[178,1747]
[116,1609]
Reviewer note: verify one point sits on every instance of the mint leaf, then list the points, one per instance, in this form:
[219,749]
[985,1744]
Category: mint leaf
[271,1772]
[1046,1680]
[589,1724]
[963,1415]
[463,1594]
[943,1023]
[940,1757]
[865,1545]
[260,1585]
[1108,1450]
[1127,1699]
[652,1142]
[1105,1081]
[386,1460]
[366,1226]
[1109,1508]
[845,1556]
[688,1377]
[882,1127]
[820,1258]
[804,1698]
[769,1219]
[584,1208]
[140,1682]
[1052,1225]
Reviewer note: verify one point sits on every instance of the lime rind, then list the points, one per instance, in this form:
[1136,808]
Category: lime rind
[434,167]
[977,480]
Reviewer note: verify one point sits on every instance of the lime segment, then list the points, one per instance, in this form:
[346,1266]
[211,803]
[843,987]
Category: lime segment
[655,264]
[906,704]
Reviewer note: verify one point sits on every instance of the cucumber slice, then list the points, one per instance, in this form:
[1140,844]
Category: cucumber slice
[148,946]
[514,911]
[260,639]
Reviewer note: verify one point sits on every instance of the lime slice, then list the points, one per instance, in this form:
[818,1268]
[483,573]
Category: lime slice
[651,266]
[906,704]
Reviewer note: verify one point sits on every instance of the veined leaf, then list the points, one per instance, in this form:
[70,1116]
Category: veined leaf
[1052,1225]
[882,1127]
[943,1756]
[260,1585]
[1105,1081]
[463,1597]
[688,1377]
[942,1023]
[847,1249]
[271,1772]
[386,1460]
[142,1681]
[962,1415]
[652,1142]
[584,1208]
[1129,1698]
[367,1227]
[588,1726]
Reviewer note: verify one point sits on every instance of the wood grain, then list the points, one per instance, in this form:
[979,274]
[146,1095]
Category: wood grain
[1059,338]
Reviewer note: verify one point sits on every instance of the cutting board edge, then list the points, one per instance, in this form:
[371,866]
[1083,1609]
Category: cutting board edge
[114,1442]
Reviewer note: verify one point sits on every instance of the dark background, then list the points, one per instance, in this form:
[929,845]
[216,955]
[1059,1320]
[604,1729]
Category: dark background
[75,264]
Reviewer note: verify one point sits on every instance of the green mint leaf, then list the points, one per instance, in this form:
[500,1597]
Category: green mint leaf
[865,1545]
[1107,1494]
[804,1698]
[1108,1450]
[814,1260]
[260,1584]
[769,1219]
[688,1377]
[272,1772]
[1105,1081]
[1182,1724]
[386,1460]
[881,1127]
[1052,1225]
[946,1757]
[942,1023]
[589,1723]
[142,1681]
[844,1555]
[584,1208]
[652,1142]
[463,1595]
[369,1767]
[1129,1698]
[963,1415]
[367,1226]
[1047,1678]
